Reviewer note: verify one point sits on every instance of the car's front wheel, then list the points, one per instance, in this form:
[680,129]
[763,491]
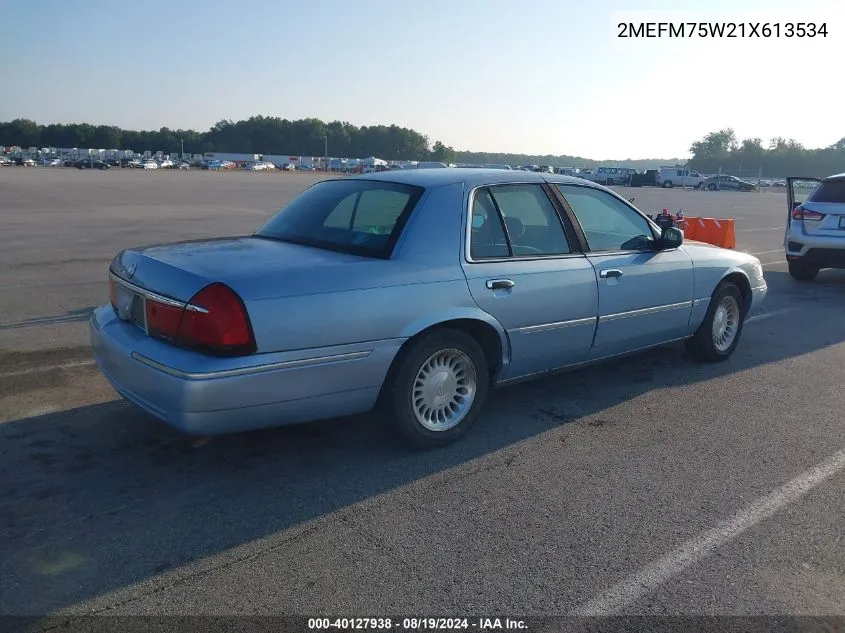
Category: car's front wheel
[802,271]
[719,333]
[439,388]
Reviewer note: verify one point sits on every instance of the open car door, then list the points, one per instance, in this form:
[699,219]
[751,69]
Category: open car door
[797,190]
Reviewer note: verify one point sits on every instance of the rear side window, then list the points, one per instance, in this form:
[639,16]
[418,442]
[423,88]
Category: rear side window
[360,217]
[830,191]
[518,220]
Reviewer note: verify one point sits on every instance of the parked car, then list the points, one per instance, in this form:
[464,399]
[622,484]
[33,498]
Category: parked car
[167,164]
[611,175]
[5,162]
[23,161]
[148,164]
[402,291]
[815,233]
[725,182]
[646,179]
[679,177]
[260,165]
[87,163]
[184,165]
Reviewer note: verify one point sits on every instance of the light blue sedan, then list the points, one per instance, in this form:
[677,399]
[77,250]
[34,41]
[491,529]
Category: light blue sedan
[414,292]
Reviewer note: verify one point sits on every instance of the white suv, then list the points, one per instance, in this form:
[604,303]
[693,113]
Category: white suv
[815,229]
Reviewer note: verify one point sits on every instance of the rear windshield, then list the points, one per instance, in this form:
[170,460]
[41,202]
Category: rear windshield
[830,191]
[361,217]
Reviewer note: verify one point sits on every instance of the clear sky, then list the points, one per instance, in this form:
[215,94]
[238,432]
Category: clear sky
[528,76]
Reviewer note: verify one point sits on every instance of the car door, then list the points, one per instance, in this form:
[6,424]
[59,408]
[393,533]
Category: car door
[524,266]
[645,294]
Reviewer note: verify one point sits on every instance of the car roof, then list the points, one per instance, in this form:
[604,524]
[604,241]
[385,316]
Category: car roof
[471,177]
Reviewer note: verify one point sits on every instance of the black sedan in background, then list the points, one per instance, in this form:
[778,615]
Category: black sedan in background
[87,163]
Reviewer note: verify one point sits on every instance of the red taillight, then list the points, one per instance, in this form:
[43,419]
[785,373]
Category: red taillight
[163,320]
[800,213]
[224,328]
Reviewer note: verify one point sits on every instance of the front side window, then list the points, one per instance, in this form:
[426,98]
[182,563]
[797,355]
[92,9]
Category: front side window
[608,223]
[360,217]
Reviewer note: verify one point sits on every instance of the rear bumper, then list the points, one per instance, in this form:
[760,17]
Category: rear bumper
[824,251]
[209,396]
[821,257]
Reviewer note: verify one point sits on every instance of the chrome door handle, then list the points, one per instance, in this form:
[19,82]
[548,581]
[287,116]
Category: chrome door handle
[499,284]
[612,272]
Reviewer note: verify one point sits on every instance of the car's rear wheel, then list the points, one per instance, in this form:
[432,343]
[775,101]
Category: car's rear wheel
[438,389]
[668,184]
[719,333]
[802,271]
[711,187]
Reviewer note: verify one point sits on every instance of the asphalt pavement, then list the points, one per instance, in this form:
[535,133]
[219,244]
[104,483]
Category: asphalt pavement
[651,485]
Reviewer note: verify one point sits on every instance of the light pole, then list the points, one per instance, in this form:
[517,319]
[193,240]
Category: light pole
[182,143]
[326,149]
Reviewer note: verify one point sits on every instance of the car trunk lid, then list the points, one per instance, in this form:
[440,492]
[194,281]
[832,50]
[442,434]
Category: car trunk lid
[172,274]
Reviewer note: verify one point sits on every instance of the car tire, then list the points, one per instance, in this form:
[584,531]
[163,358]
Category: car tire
[667,184]
[718,335]
[711,187]
[444,371]
[802,271]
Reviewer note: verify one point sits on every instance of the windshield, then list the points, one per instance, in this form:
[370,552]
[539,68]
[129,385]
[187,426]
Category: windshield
[361,217]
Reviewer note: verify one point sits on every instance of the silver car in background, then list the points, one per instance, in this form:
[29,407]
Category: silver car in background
[414,292]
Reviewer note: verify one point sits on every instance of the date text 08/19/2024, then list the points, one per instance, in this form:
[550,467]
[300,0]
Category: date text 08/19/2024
[415,624]
[734,30]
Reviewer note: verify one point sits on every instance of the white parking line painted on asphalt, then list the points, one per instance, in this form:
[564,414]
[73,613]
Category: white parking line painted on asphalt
[38,370]
[624,594]
[766,315]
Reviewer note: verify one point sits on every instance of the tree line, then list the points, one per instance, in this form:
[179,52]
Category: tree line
[781,157]
[272,135]
[311,137]
[256,135]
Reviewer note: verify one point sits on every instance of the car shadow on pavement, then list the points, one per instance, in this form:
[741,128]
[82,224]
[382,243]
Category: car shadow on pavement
[101,497]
